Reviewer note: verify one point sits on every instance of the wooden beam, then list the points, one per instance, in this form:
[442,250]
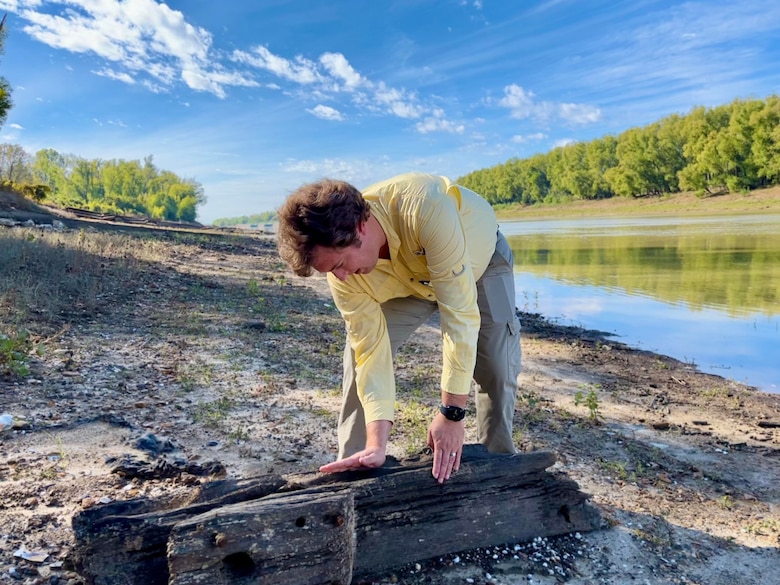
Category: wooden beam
[302,539]
[125,542]
[400,515]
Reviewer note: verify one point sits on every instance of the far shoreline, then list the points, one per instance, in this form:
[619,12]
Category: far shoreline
[683,204]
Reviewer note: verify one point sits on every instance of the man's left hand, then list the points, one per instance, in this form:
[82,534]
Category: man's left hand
[446,437]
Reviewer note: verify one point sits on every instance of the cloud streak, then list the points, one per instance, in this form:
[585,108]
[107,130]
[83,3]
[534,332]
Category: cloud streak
[148,44]
[142,37]
[523,104]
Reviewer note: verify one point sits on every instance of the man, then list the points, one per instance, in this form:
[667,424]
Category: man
[393,255]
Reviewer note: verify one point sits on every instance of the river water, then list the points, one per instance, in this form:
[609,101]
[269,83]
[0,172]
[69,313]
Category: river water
[704,290]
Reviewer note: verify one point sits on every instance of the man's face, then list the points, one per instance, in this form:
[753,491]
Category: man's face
[358,258]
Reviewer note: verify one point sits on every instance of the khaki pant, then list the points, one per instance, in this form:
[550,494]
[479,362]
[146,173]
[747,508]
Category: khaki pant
[498,357]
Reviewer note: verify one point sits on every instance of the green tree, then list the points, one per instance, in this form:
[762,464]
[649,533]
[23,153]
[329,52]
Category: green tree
[703,169]
[5,88]
[49,168]
[84,186]
[644,165]
[601,156]
[574,176]
[15,164]
[765,147]
[534,180]
[734,146]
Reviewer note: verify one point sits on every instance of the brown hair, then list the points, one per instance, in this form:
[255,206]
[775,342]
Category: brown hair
[327,213]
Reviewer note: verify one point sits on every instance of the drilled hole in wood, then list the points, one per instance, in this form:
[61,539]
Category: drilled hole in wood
[239,565]
[564,511]
[300,522]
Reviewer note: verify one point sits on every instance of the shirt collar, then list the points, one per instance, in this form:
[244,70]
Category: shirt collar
[393,241]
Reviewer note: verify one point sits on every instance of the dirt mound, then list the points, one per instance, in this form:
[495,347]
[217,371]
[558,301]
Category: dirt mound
[10,201]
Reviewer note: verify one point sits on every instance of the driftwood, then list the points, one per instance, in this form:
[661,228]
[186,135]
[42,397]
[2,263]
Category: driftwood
[304,538]
[125,542]
[314,528]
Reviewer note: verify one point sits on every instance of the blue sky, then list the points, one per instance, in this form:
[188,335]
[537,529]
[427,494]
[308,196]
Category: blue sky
[253,99]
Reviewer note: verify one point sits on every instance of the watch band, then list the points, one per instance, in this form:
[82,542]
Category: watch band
[453,413]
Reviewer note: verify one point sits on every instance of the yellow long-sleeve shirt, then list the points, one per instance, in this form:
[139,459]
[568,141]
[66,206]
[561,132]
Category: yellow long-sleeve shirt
[441,237]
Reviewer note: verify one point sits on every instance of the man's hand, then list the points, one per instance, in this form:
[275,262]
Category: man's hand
[446,437]
[374,457]
[377,435]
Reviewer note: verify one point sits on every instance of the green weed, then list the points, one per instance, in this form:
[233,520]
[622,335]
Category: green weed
[252,287]
[15,351]
[726,502]
[591,400]
[213,413]
[763,527]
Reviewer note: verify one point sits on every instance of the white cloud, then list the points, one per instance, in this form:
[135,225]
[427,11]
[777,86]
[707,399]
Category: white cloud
[140,37]
[519,101]
[338,66]
[16,126]
[563,142]
[154,87]
[579,113]
[300,70]
[118,76]
[437,123]
[399,102]
[326,113]
[149,44]
[529,137]
[523,104]
[353,171]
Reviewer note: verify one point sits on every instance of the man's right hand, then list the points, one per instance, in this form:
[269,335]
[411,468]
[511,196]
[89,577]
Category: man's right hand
[377,435]
[369,457]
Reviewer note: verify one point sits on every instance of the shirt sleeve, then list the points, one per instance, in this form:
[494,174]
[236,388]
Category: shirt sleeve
[368,336]
[441,235]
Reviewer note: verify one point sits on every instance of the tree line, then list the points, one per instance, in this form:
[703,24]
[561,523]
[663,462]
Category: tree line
[733,147]
[254,219]
[106,186]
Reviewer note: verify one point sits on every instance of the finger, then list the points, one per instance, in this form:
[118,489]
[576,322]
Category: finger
[446,464]
[438,471]
[341,465]
[456,466]
[453,458]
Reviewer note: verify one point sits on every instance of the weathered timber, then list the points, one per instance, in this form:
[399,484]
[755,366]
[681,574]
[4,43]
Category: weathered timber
[404,515]
[401,515]
[125,542]
[302,539]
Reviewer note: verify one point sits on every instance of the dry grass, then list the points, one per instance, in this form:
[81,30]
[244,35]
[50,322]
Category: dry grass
[50,277]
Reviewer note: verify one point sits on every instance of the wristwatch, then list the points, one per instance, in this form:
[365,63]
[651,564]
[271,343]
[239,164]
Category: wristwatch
[453,413]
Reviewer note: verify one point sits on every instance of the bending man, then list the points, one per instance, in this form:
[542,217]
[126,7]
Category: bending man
[393,255]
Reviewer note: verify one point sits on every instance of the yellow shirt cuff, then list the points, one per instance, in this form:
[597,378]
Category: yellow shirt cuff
[379,410]
[456,382]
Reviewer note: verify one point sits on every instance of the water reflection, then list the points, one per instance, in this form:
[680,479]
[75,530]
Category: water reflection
[704,290]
